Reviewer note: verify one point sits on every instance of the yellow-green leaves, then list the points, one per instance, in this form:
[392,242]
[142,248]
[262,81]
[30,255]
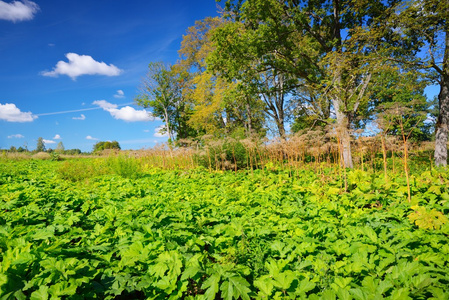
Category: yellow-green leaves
[427,219]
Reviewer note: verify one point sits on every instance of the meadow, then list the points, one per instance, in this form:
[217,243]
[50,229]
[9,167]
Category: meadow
[125,227]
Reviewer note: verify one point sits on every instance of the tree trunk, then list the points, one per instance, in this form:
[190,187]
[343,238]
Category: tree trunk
[167,126]
[442,131]
[281,128]
[343,132]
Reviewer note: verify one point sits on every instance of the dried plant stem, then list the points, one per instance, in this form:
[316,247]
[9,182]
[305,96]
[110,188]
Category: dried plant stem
[384,155]
[404,138]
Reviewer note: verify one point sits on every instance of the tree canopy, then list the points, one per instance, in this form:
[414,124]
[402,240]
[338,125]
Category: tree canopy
[276,67]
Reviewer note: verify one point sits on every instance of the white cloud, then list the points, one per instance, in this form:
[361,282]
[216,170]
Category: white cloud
[146,130]
[10,113]
[119,94]
[82,65]
[49,141]
[105,104]
[158,131]
[15,136]
[82,117]
[18,10]
[127,113]
[91,138]
[57,137]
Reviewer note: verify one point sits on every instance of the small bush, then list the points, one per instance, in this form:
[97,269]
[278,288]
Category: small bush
[55,156]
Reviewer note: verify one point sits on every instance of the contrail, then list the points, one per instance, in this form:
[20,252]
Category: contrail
[76,110]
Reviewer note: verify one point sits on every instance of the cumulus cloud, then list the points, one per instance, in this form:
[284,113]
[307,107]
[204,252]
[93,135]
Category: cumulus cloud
[119,94]
[15,136]
[127,113]
[57,137]
[82,65]
[91,138]
[48,142]
[82,117]
[11,113]
[18,10]
[158,131]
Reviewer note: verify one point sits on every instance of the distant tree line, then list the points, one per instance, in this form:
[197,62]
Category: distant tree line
[40,147]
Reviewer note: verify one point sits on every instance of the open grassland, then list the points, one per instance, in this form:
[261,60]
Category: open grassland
[117,228]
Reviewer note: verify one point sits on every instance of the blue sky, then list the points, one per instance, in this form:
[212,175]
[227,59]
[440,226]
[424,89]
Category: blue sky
[70,70]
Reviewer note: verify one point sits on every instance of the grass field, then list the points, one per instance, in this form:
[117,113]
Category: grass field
[117,229]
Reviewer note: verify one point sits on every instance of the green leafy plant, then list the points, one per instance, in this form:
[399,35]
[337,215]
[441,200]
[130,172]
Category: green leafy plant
[193,234]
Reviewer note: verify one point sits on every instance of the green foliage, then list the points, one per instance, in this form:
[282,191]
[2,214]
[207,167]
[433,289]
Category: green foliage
[72,151]
[78,170]
[400,99]
[55,156]
[99,146]
[224,235]
[126,167]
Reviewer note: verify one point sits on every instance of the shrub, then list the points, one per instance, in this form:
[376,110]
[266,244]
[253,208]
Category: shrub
[226,154]
[127,167]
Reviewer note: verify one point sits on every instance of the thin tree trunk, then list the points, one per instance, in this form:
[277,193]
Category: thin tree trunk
[167,126]
[249,120]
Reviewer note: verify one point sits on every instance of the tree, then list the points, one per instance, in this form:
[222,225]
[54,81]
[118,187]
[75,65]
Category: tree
[40,147]
[431,36]
[99,146]
[236,59]
[162,91]
[60,148]
[219,106]
[400,93]
[323,44]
